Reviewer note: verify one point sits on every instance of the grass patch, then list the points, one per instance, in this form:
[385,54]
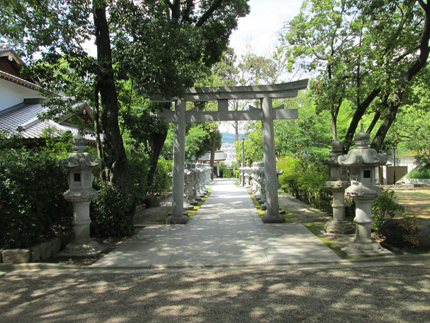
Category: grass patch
[256,204]
[412,194]
[162,220]
[289,216]
[318,229]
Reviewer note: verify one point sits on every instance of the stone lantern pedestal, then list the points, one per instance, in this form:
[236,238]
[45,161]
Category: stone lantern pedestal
[80,194]
[362,161]
[337,183]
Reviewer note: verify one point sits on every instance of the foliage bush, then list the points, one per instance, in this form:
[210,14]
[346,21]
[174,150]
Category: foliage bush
[58,144]
[304,177]
[227,173]
[423,173]
[112,212]
[32,208]
[138,166]
[138,174]
[384,206]
[162,182]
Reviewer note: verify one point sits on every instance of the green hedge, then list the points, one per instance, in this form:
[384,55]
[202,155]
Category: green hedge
[32,207]
[305,179]
[112,212]
[162,182]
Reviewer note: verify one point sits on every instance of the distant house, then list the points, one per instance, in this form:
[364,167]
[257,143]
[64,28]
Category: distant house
[21,102]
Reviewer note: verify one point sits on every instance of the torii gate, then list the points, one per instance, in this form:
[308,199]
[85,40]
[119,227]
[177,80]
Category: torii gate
[222,94]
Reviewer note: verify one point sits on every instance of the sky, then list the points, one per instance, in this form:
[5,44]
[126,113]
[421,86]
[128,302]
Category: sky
[261,27]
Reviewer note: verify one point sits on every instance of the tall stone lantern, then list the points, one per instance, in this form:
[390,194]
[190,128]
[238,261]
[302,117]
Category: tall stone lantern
[337,183]
[362,162]
[80,194]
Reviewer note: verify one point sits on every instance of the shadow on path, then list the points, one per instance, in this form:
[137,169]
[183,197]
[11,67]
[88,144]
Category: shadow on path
[226,231]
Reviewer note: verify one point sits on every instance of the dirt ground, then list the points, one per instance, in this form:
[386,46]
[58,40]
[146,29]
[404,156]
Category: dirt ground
[154,215]
[416,202]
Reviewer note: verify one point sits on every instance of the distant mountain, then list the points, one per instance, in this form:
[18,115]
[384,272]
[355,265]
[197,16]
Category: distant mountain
[228,138]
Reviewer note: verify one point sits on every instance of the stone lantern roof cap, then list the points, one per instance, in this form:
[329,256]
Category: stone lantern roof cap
[362,139]
[79,159]
[362,155]
[337,145]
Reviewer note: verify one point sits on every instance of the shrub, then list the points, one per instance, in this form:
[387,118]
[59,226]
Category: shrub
[58,143]
[227,173]
[384,206]
[33,208]
[422,173]
[305,179]
[162,182]
[410,225]
[138,174]
[112,212]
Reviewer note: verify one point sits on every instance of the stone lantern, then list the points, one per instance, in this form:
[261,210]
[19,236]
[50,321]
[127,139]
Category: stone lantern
[247,175]
[362,162]
[337,183]
[80,194]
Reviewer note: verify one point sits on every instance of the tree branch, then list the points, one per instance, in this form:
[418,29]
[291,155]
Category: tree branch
[209,13]
[396,101]
[361,109]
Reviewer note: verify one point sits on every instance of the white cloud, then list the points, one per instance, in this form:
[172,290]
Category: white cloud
[261,27]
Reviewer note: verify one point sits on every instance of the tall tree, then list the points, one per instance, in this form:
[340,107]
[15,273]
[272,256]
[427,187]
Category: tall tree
[162,45]
[246,69]
[362,55]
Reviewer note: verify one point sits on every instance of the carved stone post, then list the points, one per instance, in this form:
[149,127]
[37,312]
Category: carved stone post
[247,176]
[253,177]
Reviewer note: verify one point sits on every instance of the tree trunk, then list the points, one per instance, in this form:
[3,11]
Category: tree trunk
[156,142]
[361,109]
[374,121]
[115,159]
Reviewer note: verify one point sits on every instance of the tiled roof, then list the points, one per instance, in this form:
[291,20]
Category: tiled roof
[20,114]
[18,80]
[36,130]
[22,118]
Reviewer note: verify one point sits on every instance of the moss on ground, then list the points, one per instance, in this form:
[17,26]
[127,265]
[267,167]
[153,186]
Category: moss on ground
[192,212]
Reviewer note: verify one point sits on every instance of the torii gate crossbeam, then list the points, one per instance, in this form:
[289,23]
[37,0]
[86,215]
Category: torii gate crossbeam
[222,94]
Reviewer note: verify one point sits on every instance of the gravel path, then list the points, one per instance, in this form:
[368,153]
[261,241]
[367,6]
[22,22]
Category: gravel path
[372,294]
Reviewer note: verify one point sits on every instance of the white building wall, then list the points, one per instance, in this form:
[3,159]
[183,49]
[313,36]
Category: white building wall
[231,154]
[12,94]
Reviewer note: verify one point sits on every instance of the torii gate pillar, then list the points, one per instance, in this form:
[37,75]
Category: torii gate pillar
[178,216]
[271,181]
[263,92]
